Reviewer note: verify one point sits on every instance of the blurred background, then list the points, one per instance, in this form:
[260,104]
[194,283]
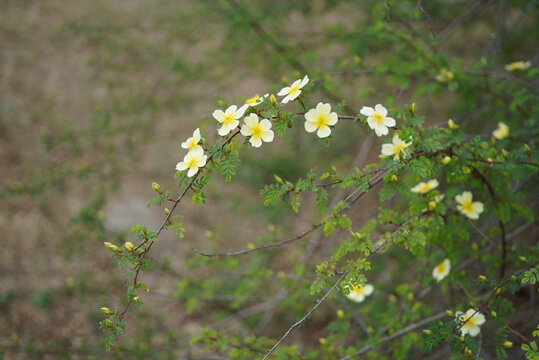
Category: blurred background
[95,99]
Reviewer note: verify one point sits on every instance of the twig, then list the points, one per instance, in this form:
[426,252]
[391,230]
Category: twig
[429,21]
[375,180]
[388,6]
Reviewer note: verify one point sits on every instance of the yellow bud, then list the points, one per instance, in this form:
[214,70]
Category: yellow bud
[381,156]
[156,187]
[271,228]
[484,145]
[514,278]
[393,177]
[250,246]
[209,234]
[340,314]
[357,59]
[273,100]
[483,278]
[483,60]
[474,246]
[221,103]
[449,313]
[468,351]
[278,179]
[323,341]
[106,311]
[466,170]
[508,344]
[498,291]
[111,246]
[136,299]
[494,313]
[281,274]
[370,329]
[129,246]
[392,298]
[446,160]
[451,124]
[490,160]
[427,331]
[432,205]
[412,109]
[410,296]
[504,153]
[167,211]
[527,148]
[109,324]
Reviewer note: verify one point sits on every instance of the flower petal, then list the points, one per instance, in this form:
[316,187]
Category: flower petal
[255,141]
[218,115]
[389,121]
[267,136]
[310,126]
[323,131]
[265,124]
[367,111]
[380,109]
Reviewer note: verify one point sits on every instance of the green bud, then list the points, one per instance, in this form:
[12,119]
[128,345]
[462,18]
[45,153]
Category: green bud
[111,246]
[508,344]
[156,187]
[109,323]
[106,311]
[278,179]
[527,148]
[167,211]
[451,124]
[411,109]
[273,100]
[449,313]
[504,153]
[432,205]
[427,331]
[483,278]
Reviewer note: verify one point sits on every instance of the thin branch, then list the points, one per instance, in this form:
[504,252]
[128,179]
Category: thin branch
[398,334]
[429,21]
[375,180]
[388,6]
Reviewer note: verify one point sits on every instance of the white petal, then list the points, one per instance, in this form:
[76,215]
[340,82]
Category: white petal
[223,131]
[380,130]
[295,83]
[311,115]
[368,289]
[388,150]
[304,81]
[367,111]
[251,120]
[380,109]
[192,171]
[196,134]
[333,118]
[473,330]
[255,141]
[239,113]
[231,109]
[310,126]
[184,144]
[323,131]
[389,121]
[286,99]
[323,108]
[284,91]
[246,130]
[267,136]
[202,161]
[292,97]
[218,115]
[181,166]
[265,124]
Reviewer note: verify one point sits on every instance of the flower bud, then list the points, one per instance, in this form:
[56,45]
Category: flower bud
[494,313]
[483,278]
[357,59]
[446,160]
[427,331]
[468,352]
[411,109]
[340,314]
[449,313]
[508,344]
[504,153]
[109,324]
[278,179]
[527,149]
[451,124]
[483,60]
[111,246]
[106,311]
[167,211]
[323,341]
[129,246]
[221,103]
[393,177]
[156,187]
[136,299]
[273,100]
[432,205]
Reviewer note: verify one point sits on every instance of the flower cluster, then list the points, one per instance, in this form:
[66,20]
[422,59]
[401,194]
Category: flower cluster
[195,157]
[518,65]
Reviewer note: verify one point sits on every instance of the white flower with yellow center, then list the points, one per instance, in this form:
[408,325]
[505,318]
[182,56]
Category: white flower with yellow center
[518,65]
[193,160]
[425,187]
[358,293]
[472,321]
[377,119]
[191,144]
[258,131]
[441,270]
[256,100]
[395,149]
[501,132]
[320,118]
[293,91]
[229,118]
[467,207]
[445,75]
